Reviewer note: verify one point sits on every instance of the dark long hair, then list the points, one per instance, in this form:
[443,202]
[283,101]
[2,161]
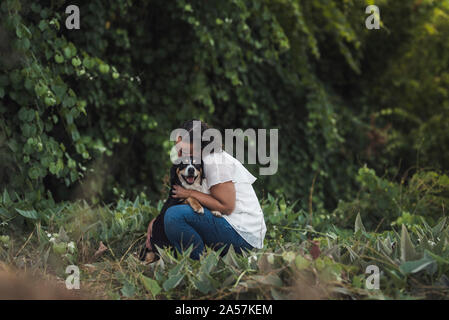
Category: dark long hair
[188,126]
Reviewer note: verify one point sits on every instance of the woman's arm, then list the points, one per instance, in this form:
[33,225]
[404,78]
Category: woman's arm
[221,198]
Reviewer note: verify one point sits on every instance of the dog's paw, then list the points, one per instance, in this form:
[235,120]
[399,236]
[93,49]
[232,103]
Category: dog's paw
[150,257]
[199,210]
[217,214]
[196,206]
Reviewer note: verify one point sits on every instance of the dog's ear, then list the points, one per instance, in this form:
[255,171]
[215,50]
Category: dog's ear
[173,175]
[201,175]
[202,172]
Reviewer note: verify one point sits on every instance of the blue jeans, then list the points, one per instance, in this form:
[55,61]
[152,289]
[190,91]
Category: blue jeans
[183,227]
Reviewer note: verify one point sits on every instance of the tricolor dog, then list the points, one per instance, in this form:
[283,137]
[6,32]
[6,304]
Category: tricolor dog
[189,174]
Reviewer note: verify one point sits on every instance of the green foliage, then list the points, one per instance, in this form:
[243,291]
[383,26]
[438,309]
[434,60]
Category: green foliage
[413,90]
[88,115]
[39,110]
[382,203]
[77,106]
[298,253]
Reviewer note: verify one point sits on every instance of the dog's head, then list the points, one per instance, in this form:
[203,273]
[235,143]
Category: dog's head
[190,172]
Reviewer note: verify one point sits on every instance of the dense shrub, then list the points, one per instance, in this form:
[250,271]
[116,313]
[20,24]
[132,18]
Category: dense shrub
[383,203]
[88,112]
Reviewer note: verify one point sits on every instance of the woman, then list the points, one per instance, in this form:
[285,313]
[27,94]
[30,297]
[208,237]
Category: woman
[231,193]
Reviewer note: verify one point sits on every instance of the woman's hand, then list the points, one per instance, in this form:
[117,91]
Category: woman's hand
[180,192]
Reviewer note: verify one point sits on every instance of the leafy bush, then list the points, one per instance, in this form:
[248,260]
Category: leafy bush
[382,203]
[77,106]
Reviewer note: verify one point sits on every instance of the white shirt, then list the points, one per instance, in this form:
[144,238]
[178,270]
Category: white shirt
[247,218]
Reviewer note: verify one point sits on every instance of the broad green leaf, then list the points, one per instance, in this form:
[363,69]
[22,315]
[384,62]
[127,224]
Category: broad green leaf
[208,263]
[408,252]
[172,282]
[387,245]
[31,214]
[68,102]
[6,198]
[43,25]
[203,284]
[67,52]
[176,270]
[437,257]
[88,63]
[150,285]
[128,290]
[358,224]
[59,90]
[230,258]
[439,227]
[417,265]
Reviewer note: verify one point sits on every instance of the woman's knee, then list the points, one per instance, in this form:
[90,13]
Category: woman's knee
[175,215]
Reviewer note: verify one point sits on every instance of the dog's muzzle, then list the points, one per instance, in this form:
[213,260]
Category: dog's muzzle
[190,177]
